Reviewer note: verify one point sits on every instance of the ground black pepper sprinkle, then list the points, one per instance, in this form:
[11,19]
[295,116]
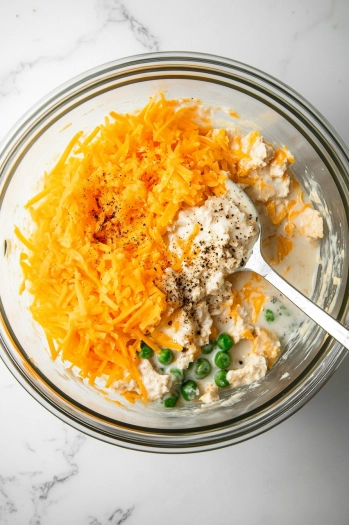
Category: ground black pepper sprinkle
[216,252]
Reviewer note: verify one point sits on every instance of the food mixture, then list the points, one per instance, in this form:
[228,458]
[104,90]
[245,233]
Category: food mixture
[139,236]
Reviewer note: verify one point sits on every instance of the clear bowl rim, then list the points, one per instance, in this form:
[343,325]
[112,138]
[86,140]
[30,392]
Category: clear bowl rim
[140,440]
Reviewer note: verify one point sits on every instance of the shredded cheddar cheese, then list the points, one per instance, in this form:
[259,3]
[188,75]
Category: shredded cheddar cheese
[283,154]
[251,295]
[283,248]
[96,259]
[276,211]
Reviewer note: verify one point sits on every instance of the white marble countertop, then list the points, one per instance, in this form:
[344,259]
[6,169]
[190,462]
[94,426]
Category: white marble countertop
[297,473]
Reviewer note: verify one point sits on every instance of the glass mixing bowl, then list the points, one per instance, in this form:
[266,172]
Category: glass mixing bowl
[283,117]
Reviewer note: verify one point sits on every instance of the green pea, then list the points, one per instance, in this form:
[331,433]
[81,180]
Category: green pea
[145,352]
[269,316]
[189,390]
[203,368]
[222,359]
[179,374]
[221,379]
[166,356]
[225,342]
[170,400]
[207,349]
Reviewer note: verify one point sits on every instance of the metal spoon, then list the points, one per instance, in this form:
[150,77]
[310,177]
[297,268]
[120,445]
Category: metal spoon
[258,264]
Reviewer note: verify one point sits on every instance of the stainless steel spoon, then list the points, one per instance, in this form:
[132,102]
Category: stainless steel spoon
[258,264]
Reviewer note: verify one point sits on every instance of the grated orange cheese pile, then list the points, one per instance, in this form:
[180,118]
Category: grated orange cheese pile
[98,253]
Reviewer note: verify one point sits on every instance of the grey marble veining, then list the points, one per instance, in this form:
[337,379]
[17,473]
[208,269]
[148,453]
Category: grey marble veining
[117,12]
[111,28]
[51,474]
[116,518]
[109,14]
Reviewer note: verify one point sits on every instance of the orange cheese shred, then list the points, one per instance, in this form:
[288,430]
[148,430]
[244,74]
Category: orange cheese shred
[253,296]
[283,248]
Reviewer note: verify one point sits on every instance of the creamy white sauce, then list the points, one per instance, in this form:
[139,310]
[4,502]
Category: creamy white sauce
[250,359]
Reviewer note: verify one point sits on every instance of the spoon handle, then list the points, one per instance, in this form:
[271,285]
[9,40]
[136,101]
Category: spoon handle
[323,319]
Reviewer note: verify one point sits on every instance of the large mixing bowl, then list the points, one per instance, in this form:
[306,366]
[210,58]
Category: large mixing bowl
[283,117]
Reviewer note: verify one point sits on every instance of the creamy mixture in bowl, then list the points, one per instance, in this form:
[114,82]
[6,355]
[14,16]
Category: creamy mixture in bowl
[136,248]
